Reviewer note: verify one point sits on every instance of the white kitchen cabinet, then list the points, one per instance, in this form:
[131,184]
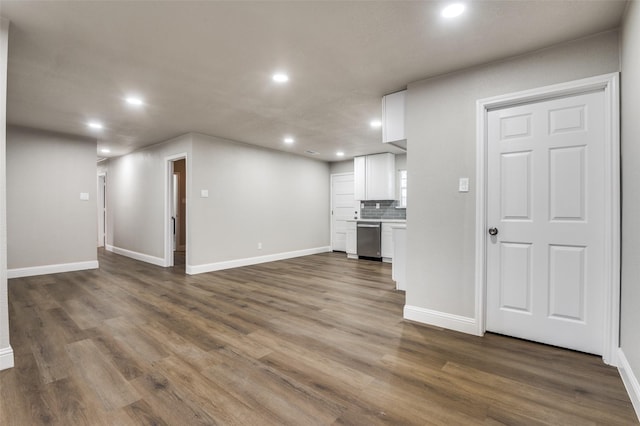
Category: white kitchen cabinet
[386,242]
[360,178]
[399,266]
[375,177]
[351,243]
[393,117]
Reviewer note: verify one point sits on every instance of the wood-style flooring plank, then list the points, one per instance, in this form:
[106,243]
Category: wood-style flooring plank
[169,401]
[101,375]
[315,340]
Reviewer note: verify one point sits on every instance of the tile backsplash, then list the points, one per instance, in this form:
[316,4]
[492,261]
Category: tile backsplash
[387,210]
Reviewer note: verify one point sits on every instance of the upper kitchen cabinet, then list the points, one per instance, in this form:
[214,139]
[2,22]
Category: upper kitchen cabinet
[375,177]
[393,119]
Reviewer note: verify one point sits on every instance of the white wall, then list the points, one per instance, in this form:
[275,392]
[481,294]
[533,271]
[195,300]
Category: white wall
[6,353]
[256,196]
[441,129]
[136,199]
[347,166]
[341,167]
[630,136]
[49,228]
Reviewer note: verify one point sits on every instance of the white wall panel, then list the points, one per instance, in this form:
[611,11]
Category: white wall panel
[630,136]
[6,353]
[48,223]
[441,136]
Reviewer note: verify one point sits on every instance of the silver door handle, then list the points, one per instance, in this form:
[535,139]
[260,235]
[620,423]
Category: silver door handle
[368,226]
[493,231]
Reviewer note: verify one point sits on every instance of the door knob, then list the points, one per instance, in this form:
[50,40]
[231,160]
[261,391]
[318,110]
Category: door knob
[493,231]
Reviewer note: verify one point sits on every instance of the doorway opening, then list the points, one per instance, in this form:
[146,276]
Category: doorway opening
[176,213]
[179,207]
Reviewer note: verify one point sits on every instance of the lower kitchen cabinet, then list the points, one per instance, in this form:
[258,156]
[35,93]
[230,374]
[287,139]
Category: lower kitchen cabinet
[399,266]
[386,242]
[352,242]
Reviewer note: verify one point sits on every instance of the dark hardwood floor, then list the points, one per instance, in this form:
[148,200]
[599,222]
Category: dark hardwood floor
[318,340]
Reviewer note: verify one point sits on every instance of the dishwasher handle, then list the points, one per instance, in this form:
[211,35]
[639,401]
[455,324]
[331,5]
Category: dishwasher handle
[368,225]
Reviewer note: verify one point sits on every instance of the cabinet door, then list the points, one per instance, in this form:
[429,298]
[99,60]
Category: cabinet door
[399,259]
[360,180]
[386,241]
[352,245]
[380,177]
[393,117]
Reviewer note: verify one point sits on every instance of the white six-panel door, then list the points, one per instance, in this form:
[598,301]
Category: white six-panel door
[343,207]
[545,199]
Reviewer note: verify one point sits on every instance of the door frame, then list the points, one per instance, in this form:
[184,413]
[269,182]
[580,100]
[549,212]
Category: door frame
[168,226]
[609,84]
[331,178]
[104,205]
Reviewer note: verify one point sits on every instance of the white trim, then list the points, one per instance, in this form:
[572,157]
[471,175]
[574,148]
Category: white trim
[168,232]
[6,354]
[630,381]
[51,269]
[104,225]
[609,83]
[236,263]
[136,255]
[6,358]
[441,319]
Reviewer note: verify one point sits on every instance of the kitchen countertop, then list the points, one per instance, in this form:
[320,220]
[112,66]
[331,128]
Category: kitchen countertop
[379,220]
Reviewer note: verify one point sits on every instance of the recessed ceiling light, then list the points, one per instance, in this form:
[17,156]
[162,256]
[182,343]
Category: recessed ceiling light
[340,154]
[280,77]
[95,125]
[288,140]
[134,100]
[453,10]
[375,123]
[105,150]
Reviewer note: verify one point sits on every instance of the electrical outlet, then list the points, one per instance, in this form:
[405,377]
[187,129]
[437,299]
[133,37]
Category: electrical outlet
[377,205]
[259,246]
[463,185]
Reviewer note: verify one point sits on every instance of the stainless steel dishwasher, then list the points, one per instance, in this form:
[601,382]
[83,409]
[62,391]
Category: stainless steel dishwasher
[368,235]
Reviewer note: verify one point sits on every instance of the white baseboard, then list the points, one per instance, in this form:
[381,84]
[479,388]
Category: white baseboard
[6,358]
[441,319]
[218,266]
[630,381]
[51,269]
[158,261]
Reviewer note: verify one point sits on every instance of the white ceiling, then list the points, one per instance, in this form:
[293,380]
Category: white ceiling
[206,66]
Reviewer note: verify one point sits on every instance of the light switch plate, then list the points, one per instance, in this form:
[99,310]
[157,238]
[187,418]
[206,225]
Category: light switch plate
[84,196]
[204,193]
[463,185]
